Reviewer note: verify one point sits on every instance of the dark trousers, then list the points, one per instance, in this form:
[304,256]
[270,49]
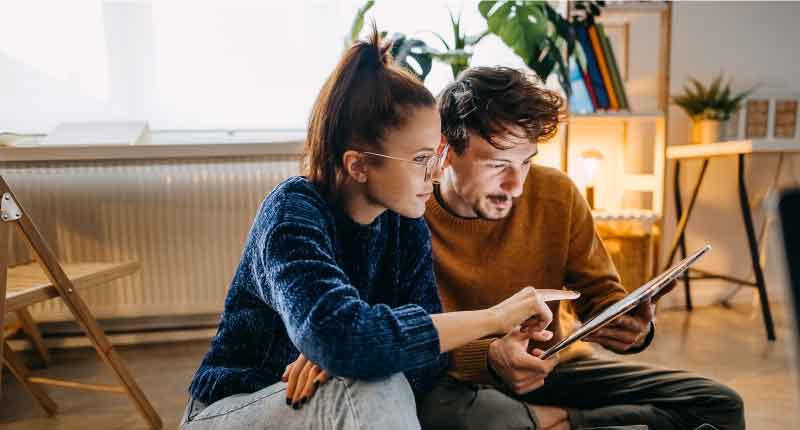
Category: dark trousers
[596,394]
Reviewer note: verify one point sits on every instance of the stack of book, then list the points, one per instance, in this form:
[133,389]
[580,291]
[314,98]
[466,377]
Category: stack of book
[594,74]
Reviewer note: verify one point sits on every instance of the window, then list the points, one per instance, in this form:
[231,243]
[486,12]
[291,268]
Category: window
[194,65]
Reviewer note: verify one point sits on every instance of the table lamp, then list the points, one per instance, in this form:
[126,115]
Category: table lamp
[591,161]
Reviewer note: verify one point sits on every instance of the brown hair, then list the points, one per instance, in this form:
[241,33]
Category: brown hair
[365,96]
[491,101]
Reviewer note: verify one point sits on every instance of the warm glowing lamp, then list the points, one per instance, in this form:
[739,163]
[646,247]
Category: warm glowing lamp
[591,161]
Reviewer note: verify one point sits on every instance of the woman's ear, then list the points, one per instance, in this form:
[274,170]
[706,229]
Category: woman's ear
[355,166]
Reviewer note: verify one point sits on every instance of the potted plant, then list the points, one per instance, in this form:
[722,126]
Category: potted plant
[708,107]
[408,52]
[538,33]
[415,55]
[533,29]
[458,53]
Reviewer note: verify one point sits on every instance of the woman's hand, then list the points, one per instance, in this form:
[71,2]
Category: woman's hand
[303,378]
[528,309]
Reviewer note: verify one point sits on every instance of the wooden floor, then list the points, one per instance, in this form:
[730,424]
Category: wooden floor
[726,344]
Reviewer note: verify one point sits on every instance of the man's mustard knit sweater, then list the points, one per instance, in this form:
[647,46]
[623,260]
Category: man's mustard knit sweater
[547,241]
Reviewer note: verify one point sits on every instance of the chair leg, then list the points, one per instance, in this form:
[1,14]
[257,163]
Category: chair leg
[106,352]
[18,369]
[5,251]
[34,335]
[109,356]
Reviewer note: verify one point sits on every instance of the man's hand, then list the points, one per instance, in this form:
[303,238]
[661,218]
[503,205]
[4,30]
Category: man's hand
[629,331]
[626,332]
[520,370]
[302,378]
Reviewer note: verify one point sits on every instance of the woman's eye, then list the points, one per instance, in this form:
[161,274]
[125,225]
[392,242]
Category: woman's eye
[497,165]
[421,158]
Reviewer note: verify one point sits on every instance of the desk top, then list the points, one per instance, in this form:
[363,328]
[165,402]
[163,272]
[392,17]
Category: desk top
[735,147]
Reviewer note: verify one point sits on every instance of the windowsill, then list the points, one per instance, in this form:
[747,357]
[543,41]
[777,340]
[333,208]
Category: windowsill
[169,144]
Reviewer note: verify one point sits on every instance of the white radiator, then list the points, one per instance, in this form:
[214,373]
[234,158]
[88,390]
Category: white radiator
[185,221]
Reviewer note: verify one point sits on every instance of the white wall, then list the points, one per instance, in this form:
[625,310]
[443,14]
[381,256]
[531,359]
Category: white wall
[756,43]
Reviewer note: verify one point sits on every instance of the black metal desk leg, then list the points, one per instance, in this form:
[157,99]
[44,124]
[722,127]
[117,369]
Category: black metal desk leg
[747,216]
[679,239]
[682,241]
[681,229]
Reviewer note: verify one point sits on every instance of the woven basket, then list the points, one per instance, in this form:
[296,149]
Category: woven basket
[631,248]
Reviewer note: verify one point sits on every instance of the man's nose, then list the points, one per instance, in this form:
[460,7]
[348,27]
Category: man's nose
[513,181]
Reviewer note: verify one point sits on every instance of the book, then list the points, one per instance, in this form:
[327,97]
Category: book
[591,66]
[579,101]
[580,58]
[101,133]
[601,61]
[616,78]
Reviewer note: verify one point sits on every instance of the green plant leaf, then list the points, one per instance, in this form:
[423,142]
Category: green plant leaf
[441,39]
[521,26]
[473,40]
[412,54]
[724,98]
[485,6]
[688,92]
[700,90]
[713,102]
[459,39]
[713,90]
[536,32]
[358,22]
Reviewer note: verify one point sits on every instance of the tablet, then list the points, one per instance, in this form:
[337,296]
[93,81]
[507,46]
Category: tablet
[629,302]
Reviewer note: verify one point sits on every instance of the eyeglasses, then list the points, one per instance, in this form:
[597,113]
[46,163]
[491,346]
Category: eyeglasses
[431,163]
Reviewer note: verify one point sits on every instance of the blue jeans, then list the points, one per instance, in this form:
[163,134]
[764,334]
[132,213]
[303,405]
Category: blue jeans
[339,404]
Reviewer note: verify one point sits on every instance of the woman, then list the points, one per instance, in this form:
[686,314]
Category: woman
[337,266]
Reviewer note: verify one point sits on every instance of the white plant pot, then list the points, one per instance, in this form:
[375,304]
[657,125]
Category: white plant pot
[706,131]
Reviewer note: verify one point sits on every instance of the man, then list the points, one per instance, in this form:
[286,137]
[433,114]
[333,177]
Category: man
[499,223]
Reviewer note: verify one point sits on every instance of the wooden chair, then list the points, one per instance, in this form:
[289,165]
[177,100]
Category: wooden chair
[28,284]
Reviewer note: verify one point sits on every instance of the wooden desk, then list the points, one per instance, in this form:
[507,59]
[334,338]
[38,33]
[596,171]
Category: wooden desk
[706,152]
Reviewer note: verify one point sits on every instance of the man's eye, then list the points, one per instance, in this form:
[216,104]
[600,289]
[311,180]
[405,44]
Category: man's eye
[422,158]
[527,163]
[497,165]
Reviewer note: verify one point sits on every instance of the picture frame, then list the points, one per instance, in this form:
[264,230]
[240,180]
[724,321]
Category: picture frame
[768,115]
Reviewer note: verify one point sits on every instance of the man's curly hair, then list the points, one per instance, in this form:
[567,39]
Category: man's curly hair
[494,101]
